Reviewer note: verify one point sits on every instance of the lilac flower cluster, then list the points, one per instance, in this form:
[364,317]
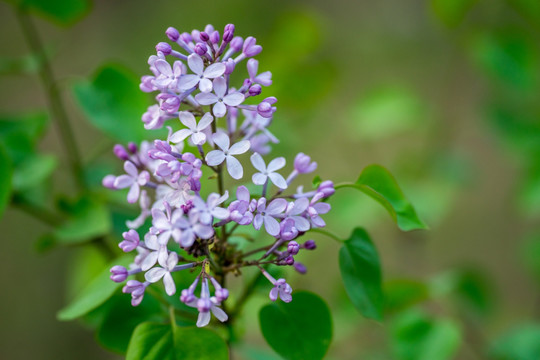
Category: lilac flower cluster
[218,125]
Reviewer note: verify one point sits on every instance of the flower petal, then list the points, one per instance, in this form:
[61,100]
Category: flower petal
[133,194]
[219,109]
[215,157]
[234,99]
[258,162]
[198,138]
[123,181]
[219,313]
[259,179]
[234,167]
[220,87]
[205,121]
[187,82]
[277,206]
[278,180]
[276,164]
[214,70]
[240,147]
[301,223]
[271,225]
[131,169]
[195,63]
[257,222]
[155,274]
[180,135]
[204,319]
[168,281]
[222,140]
[206,98]
[203,231]
[205,85]
[149,261]
[163,67]
[242,193]
[188,120]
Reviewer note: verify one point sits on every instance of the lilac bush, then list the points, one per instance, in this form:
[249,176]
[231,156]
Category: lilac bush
[223,122]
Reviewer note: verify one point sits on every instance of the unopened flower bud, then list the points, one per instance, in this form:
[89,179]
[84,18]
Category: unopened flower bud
[201,49]
[172,34]
[228,33]
[293,247]
[303,164]
[236,43]
[301,268]
[255,90]
[310,245]
[108,181]
[229,66]
[132,147]
[164,47]
[327,188]
[120,152]
[214,37]
[204,36]
[119,273]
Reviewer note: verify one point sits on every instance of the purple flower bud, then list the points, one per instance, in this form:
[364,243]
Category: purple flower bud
[201,49]
[250,47]
[172,34]
[310,245]
[255,90]
[187,296]
[164,47]
[229,66]
[293,247]
[119,273]
[185,37]
[228,33]
[222,294]
[147,83]
[289,260]
[131,241]
[214,37]
[236,43]
[120,152]
[327,188]
[303,164]
[108,181]
[265,109]
[187,206]
[204,305]
[204,36]
[169,103]
[301,268]
[132,147]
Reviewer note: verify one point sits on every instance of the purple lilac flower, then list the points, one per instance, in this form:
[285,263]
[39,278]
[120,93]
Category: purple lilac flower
[220,99]
[281,288]
[131,241]
[264,78]
[302,165]
[269,172]
[136,289]
[241,210]
[267,215]
[119,273]
[154,252]
[192,228]
[315,209]
[194,130]
[133,179]
[287,230]
[168,76]
[294,210]
[165,223]
[164,272]
[209,209]
[206,304]
[202,76]
[293,248]
[216,157]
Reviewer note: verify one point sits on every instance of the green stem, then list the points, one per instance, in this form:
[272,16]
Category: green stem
[328,233]
[54,98]
[345,185]
[172,317]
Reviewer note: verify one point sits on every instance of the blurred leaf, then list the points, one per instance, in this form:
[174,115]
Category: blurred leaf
[416,336]
[152,341]
[529,197]
[529,9]
[517,125]
[299,330]
[113,103]
[509,56]
[5,179]
[60,12]
[400,294]
[85,263]
[88,219]
[530,253]
[20,134]
[95,293]
[377,182]
[387,112]
[522,342]
[361,273]
[27,64]
[33,171]
[122,318]
[452,12]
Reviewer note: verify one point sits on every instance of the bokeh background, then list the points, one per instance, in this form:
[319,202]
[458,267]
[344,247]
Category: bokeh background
[442,93]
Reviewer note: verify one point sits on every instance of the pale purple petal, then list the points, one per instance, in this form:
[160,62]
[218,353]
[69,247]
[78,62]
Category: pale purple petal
[149,261]
[258,162]
[188,120]
[203,319]
[206,98]
[159,219]
[322,208]
[203,231]
[271,225]
[205,121]
[198,138]
[278,180]
[300,206]
[163,67]
[285,296]
[259,179]
[155,274]
[221,140]
[133,194]
[196,64]
[220,213]
[168,281]
[277,206]
[257,221]
[318,221]
[273,294]
[219,109]
[172,260]
[214,70]
[234,99]
[180,135]
[276,164]
[131,169]
[219,313]
[234,167]
[215,157]
[240,147]
[242,193]
[123,181]
[205,85]
[302,224]
[220,87]
[187,82]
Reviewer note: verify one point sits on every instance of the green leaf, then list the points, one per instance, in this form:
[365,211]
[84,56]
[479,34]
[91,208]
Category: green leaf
[121,319]
[416,336]
[113,103]
[20,134]
[33,171]
[152,341]
[5,179]
[89,219]
[95,293]
[361,273]
[452,12]
[400,294]
[377,182]
[299,330]
[60,12]
[522,342]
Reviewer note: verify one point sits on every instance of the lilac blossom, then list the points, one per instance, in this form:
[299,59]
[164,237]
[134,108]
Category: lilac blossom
[133,179]
[207,304]
[281,289]
[164,272]
[168,76]
[136,289]
[202,76]
[241,210]
[216,157]
[266,215]
[131,241]
[315,209]
[154,252]
[192,228]
[264,78]
[220,99]
[209,209]
[295,210]
[198,137]
[165,223]
[268,172]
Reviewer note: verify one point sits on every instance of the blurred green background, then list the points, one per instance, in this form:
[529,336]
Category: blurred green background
[442,93]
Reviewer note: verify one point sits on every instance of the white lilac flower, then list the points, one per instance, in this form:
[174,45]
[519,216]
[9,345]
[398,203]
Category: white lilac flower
[268,172]
[164,272]
[175,194]
[154,252]
[198,137]
[216,157]
[220,99]
[209,209]
[133,179]
[193,228]
[201,76]
[266,215]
